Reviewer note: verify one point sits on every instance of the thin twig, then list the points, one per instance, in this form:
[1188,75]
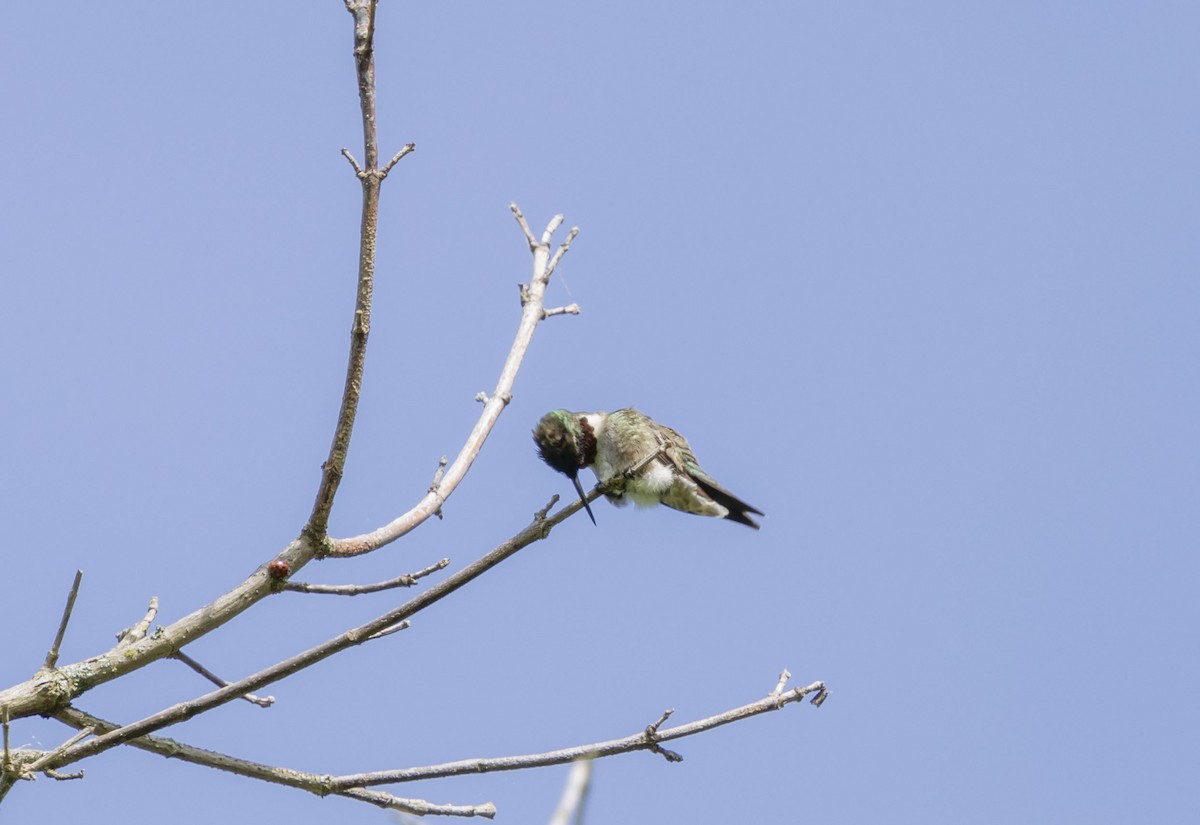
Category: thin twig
[131,635]
[408,147]
[533,303]
[520,216]
[349,156]
[388,631]
[538,529]
[638,741]
[407,580]
[311,782]
[52,654]
[80,735]
[563,248]
[62,777]
[262,702]
[569,309]
[436,484]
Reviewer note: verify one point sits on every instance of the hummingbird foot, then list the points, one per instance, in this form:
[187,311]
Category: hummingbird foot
[614,488]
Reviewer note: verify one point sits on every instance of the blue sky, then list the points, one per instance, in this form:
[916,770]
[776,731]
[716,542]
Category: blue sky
[921,283]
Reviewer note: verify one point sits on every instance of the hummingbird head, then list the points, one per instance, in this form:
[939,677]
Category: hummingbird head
[566,441]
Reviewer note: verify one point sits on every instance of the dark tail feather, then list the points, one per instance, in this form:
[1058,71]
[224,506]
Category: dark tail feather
[737,508]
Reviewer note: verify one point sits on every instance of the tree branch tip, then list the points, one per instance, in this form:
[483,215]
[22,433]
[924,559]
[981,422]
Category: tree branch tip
[481,397]
[388,631]
[62,777]
[131,635]
[569,309]
[520,216]
[820,698]
[541,514]
[551,228]
[652,729]
[52,654]
[358,170]
[408,147]
[669,755]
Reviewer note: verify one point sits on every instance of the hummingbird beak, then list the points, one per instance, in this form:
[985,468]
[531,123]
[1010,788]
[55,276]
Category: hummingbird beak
[583,498]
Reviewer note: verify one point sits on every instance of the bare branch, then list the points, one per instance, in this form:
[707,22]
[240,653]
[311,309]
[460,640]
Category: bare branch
[407,580]
[538,529]
[62,777]
[52,655]
[569,309]
[130,635]
[313,783]
[562,249]
[570,806]
[646,739]
[533,302]
[408,147]
[36,765]
[370,177]
[516,210]
[358,170]
[438,473]
[262,702]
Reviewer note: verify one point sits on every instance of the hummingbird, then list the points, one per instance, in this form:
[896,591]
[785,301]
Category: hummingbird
[637,459]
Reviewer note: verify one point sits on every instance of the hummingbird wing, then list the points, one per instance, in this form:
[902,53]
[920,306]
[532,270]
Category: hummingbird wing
[679,453]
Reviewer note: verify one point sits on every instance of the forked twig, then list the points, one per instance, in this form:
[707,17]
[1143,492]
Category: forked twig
[532,313]
[311,782]
[646,739]
[407,580]
[538,529]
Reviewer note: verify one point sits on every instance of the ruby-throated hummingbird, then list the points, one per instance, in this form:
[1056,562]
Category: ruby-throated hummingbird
[637,459]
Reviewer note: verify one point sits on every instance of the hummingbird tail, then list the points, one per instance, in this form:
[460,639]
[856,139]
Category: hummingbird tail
[737,508]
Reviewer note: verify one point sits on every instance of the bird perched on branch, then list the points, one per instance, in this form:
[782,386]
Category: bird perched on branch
[637,459]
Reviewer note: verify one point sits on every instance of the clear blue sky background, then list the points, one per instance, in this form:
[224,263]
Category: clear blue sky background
[921,282]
